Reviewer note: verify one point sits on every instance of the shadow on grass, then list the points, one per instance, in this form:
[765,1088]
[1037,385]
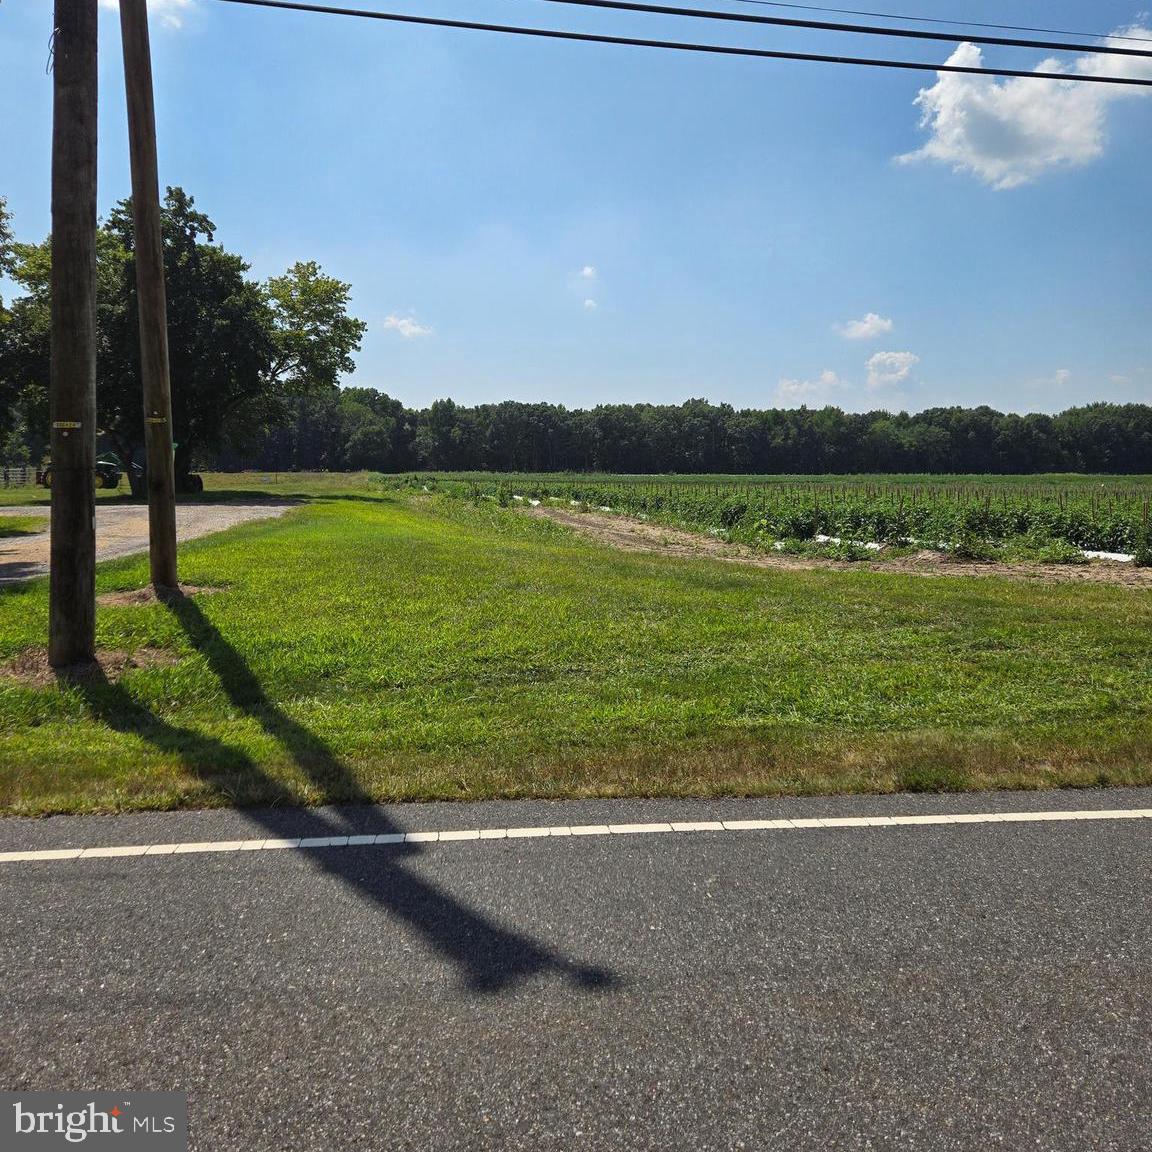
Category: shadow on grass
[490,958]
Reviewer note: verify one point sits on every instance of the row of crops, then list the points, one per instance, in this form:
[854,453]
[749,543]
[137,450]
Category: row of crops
[1106,517]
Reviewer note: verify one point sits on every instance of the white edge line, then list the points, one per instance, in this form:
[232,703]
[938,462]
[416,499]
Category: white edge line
[756,825]
[126,850]
[538,831]
[41,854]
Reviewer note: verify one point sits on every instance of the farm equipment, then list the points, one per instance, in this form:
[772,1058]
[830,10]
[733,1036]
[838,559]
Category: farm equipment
[107,468]
[188,484]
[109,472]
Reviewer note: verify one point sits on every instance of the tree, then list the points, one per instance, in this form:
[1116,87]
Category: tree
[238,350]
[25,344]
[8,386]
[368,437]
[7,256]
[313,335]
[376,430]
[437,440]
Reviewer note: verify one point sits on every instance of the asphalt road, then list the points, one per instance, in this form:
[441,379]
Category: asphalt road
[971,986]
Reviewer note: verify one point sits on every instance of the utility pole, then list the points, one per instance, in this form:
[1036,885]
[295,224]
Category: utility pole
[72,401]
[153,308]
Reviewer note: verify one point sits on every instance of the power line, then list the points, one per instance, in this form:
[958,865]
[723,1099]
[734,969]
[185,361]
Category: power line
[861,29]
[941,20]
[682,46]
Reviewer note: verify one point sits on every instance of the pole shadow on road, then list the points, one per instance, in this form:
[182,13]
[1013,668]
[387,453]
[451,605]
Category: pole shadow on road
[490,958]
[15,574]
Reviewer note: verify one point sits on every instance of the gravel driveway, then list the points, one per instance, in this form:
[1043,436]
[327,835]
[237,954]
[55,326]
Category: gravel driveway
[122,529]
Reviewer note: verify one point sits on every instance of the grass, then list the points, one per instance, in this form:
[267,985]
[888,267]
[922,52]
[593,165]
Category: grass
[397,647]
[22,525]
[221,486]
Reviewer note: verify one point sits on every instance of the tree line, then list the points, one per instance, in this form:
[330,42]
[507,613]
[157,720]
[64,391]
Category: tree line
[256,370]
[358,428]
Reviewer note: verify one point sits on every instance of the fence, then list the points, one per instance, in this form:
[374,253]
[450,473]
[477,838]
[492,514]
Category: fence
[16,475]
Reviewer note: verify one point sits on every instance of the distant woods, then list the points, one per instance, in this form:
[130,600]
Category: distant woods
[361,428]
[256,368]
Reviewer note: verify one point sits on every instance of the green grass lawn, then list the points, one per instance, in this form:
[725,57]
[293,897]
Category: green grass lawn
[370,646]
[220,486]
[22,525]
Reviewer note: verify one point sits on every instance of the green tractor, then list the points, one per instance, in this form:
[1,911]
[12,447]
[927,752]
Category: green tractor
[107,468]
[109,472]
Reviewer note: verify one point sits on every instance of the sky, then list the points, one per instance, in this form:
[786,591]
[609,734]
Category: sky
[584,224]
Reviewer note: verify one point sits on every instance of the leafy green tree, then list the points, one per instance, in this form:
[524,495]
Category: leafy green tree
[238,350]
[7,256]
[376,430]
[8,387]
[220,343]
[368,442]
[312,333]
[25,344]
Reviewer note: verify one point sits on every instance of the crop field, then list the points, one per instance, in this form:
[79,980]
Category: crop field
[387,644]
[1049,515]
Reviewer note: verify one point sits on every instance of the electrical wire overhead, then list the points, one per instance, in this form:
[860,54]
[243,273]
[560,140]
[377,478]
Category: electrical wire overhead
[856,29]
[683,46]
[940,20]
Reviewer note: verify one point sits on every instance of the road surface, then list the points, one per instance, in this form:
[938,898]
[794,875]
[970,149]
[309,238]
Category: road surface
[967,986]
[122,529]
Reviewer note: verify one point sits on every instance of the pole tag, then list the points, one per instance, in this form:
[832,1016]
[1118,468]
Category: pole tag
[66,424]
[155,420]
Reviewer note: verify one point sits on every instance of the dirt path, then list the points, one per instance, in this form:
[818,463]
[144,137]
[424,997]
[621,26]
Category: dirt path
[639,536]
[122,529]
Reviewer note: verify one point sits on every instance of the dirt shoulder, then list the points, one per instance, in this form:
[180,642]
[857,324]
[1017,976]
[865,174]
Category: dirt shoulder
[631,535]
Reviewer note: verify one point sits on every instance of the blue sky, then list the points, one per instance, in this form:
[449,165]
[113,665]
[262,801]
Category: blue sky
[584,224]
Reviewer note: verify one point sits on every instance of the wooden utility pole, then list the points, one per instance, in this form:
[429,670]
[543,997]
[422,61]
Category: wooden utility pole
[153,309]
[72,400]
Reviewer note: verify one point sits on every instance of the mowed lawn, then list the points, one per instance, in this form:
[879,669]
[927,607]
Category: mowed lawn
[397,647]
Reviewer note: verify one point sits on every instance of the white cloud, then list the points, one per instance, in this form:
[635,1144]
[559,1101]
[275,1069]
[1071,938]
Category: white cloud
[1048,385]
[170,13]
[817,392]
[867,328]
[1008,132]
[588,272]
[888,368]
[591,305]
[1058,379]
[406,326]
